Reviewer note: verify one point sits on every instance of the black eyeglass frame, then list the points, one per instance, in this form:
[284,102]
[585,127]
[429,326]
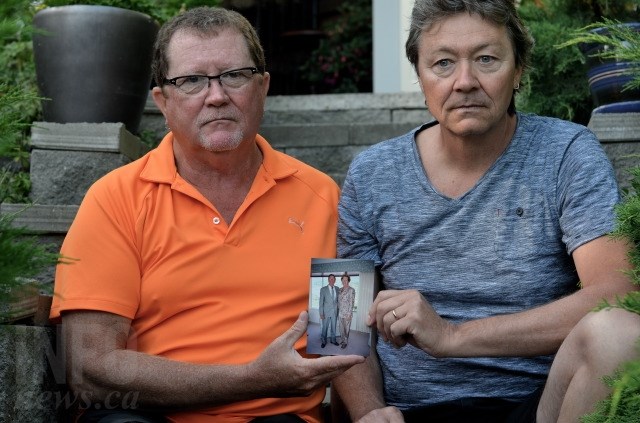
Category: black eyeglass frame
[173,81]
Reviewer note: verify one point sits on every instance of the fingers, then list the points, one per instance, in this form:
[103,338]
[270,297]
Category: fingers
[395,326]
[296,375]
[297,330]
[398,314]
[382,314]
[380,305]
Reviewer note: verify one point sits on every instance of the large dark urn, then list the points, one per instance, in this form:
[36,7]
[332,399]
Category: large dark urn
[93,63]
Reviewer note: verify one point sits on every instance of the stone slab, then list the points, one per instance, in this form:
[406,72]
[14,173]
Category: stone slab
[41,218]
[63,177]
[345,101]
[333,161]
[373,134]
[289,117]
[411,116]
[623,156]
[285,136]
[100,137]
[613,127]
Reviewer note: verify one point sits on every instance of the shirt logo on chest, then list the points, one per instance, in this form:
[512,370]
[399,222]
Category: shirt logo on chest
[297,223]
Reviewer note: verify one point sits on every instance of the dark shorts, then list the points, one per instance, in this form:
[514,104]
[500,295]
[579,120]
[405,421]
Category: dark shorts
[478,410]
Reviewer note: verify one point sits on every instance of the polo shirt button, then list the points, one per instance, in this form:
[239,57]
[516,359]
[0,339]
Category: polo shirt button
[216,220]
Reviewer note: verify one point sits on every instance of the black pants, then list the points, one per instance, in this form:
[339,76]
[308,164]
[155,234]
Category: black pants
[478,410]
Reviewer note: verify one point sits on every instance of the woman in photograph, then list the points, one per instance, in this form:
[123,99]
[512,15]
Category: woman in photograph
[346,299]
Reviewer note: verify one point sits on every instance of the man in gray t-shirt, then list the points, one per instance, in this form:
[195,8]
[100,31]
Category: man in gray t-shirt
[489,228]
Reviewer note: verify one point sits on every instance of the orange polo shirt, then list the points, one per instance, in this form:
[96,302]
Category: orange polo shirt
[151,248]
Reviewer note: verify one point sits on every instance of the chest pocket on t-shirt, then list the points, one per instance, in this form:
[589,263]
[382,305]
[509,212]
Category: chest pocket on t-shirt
[520,227]
[514,234]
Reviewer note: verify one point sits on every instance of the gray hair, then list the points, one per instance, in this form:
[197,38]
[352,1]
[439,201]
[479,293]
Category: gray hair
[204,20]
[502,12]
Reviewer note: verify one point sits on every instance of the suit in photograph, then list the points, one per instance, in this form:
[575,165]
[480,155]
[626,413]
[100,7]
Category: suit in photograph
[328,309]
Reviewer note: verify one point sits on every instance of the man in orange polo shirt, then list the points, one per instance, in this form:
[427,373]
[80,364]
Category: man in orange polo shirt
[187,296]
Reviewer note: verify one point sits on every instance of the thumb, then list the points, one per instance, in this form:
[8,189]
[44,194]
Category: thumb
[297,330]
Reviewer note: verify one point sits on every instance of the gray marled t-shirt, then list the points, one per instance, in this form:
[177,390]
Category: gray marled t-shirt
[503,247]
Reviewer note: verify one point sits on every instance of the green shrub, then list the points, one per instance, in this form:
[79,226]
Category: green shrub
[15,183]
[623,405]
[21,257]
[556,85]
[19,102]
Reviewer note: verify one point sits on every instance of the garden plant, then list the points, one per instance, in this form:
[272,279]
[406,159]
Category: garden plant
[21,255]
[623,405]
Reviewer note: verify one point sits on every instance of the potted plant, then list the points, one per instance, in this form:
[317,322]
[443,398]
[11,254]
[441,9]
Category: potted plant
[610,46]
[612,51]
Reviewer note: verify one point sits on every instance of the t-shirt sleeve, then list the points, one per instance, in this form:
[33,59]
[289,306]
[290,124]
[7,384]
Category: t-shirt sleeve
[587,192]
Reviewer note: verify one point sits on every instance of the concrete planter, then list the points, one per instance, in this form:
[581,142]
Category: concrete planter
[93,63]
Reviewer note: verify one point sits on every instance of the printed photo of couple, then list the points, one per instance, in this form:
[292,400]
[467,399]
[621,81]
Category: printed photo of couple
[341,292]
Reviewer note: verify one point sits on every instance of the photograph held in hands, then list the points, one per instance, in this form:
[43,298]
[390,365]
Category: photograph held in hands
[341,292]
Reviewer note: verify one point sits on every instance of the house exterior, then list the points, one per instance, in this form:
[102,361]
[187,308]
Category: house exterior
[291,29]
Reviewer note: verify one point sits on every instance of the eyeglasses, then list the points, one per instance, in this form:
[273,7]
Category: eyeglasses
[193,84]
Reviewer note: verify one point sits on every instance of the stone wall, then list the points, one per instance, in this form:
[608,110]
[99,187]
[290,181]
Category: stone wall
[619,134]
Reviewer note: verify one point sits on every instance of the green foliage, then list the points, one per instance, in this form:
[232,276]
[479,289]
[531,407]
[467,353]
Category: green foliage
[21,256]
[556,85]
[595,10]
[150,138]
[14,145]
[623,406]
[14,187]
[342,62]
[19,102]
[628,222]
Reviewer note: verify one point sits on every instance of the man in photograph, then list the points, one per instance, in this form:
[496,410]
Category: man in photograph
[328,309]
